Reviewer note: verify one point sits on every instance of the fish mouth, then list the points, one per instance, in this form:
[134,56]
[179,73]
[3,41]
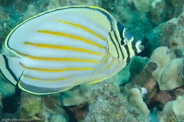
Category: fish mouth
[139,46]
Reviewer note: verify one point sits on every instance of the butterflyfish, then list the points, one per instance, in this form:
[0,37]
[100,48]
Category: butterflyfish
[65,47]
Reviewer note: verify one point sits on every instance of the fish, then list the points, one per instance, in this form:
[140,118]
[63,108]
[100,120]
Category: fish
[62,48]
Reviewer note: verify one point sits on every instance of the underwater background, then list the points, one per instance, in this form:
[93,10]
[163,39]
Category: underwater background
[149,89]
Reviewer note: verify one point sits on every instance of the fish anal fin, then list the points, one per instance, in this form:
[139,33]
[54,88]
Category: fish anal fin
[39,90]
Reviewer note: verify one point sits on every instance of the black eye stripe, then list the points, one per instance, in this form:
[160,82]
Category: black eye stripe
[122,42]
[120,29]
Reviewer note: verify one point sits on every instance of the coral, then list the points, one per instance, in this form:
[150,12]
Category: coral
[135,98]
[169,69]
[173,110]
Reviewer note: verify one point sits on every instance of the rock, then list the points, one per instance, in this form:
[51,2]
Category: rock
[41,108]
[31,107]
[179,8]
[60,3]
[52,105]
[76,97]
[156,10]
[58,118]
[151,86]
[162,97]
[142,5]
[77,112]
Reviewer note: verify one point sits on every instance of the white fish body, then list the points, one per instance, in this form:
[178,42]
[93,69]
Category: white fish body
[66,47]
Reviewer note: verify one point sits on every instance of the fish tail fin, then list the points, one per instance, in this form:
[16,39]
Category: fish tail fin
[10,68]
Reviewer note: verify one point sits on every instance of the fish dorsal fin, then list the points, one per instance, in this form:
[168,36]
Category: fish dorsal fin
[10,68]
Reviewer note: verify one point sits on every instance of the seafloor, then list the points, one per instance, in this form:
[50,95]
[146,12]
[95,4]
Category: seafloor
[150,88]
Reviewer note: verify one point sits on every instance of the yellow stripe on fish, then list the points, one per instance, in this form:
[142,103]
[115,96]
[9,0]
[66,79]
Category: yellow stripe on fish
[44,79]
[70,36]
[110,64]
[56,70]
[56,58]
[69,46]
[117,64]
[81,26]
[62,47]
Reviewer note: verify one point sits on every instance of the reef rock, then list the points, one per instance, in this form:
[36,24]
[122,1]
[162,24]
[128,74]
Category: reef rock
[42,108]
[173,36]
[107,104]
